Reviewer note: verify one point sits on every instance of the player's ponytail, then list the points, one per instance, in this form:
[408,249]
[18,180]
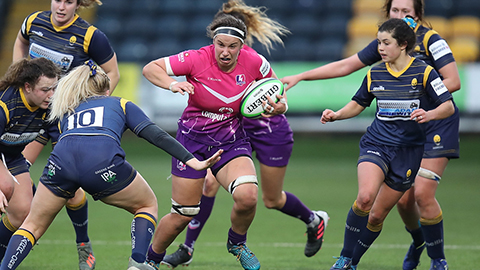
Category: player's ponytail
[79,84]
[264,29]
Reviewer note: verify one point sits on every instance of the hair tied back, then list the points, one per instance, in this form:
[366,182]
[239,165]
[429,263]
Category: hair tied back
[410,21]
[93,67]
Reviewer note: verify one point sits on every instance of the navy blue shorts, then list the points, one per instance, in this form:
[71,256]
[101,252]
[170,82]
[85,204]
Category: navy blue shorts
[399,164]
[201,151]
[443,137]
[95,163]
[16,164]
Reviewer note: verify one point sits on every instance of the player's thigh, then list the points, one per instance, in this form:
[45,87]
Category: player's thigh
[137,195]
[187,191]
[211,185]
[45,206]
[239,166]
[19,204]
[272,181]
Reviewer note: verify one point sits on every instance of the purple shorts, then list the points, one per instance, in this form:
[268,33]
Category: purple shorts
[271,139]
[201,151]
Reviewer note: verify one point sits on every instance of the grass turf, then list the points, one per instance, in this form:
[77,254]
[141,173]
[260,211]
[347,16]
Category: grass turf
[322,173]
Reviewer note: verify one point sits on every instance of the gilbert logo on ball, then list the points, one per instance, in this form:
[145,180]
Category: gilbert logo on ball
[257,93]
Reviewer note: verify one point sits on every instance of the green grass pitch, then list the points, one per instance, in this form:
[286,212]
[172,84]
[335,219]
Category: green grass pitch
[322,173]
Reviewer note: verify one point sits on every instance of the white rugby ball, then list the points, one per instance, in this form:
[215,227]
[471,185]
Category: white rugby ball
[256,93]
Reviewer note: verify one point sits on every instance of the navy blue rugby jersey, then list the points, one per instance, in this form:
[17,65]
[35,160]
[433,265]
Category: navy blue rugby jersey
[68,46]
[104,116]
[398,94]
[430,47]
[51,133]
[20,123]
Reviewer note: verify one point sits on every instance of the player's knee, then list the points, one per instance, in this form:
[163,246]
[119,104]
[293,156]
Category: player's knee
[365,202]
[7,187]
[188,211]
[242,180]
[429,174]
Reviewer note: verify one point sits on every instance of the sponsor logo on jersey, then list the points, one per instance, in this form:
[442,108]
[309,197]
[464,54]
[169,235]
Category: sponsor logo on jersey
[214,116]
[214,79]
[439,48]
[378,88]
[240,79]
[181,57]
[38,33]
[390,110]
[438,86]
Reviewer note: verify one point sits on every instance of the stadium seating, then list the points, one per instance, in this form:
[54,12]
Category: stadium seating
[439,24]
[368,7]
[465,49]
[363,26]
[466,26]
[173,26]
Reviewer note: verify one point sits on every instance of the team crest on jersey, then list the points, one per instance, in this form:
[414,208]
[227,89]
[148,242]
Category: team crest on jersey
[240,79]
[414,83]
[73,40]
[181,166]
[225,110]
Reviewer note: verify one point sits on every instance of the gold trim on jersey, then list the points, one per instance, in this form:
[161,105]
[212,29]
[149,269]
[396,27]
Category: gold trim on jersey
[123,103]
[88,37]
[397,74]
[25,102]
[369,79]
[426,38]
[30,20]
[60,28]
[426,73]
[5,109]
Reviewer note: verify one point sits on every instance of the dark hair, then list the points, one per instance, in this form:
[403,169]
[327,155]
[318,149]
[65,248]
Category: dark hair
[418,7]
[225,20]
[401,32]
[28,71]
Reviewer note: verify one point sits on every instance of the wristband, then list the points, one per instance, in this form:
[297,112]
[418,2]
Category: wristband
[172,84]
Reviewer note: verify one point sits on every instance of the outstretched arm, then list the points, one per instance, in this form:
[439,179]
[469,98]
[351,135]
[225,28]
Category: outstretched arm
[350,110]
[160,138]
[335,69]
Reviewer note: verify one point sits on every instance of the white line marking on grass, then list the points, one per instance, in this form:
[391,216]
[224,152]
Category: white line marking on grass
[274,245]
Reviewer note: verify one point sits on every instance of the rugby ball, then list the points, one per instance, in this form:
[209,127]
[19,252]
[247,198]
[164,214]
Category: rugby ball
[256,93]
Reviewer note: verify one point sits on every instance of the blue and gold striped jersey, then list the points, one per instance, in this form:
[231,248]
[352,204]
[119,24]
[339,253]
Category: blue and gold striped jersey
[398,94]
[68,46]
[430,47]
[104,116]
[19,122]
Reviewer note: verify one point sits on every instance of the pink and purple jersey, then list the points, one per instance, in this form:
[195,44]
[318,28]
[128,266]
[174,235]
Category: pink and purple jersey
[212,115]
